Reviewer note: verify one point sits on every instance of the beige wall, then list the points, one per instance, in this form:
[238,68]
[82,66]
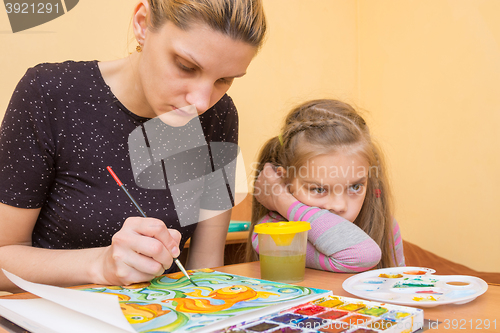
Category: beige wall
[86,32]
[310,52]
[430,75]
[427,71]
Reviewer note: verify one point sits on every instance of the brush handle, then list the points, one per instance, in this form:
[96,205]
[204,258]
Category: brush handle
[133,201]
[118,181]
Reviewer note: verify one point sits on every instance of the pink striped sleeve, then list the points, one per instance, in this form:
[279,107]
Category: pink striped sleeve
[335,244]
[299,212]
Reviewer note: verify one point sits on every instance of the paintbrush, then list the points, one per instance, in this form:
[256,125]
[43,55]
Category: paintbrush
[177,262]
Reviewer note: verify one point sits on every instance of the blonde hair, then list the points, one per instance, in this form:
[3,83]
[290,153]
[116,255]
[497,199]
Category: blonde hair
[239,19]
[327,126]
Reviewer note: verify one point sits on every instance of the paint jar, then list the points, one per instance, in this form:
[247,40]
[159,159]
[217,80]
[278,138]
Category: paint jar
[282,250]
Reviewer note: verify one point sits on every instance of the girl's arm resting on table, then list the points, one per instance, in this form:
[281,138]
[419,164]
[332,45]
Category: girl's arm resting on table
[139,252]
[206,249]
[334,244]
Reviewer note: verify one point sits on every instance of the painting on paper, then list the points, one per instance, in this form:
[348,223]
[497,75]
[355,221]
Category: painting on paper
[171,303]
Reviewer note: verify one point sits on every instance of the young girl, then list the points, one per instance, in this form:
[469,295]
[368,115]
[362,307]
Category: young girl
[325,169]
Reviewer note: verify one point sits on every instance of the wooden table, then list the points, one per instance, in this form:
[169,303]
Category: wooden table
[470,317]
[443,318]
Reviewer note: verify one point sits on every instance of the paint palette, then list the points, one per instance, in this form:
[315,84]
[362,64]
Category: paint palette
[335,314]
[415,286]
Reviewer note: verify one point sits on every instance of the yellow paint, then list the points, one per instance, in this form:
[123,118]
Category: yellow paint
[202,270]
[331,303]
[390,276]
[400,315]
[198,291]
[176,275]
[424,299]
[352,306]
[136,313]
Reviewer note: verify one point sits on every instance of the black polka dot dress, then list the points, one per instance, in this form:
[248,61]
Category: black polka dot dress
[62,128]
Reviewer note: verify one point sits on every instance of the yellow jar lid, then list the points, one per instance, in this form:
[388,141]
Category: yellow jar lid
[279,228]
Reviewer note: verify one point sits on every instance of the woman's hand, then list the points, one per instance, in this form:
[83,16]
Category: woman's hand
[271,190]
[140,251]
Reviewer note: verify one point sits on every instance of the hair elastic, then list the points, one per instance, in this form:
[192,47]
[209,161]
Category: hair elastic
[378,192]
[280,138]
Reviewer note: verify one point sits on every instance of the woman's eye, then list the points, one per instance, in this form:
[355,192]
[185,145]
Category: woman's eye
[356,188]
[185,68]
[225,81]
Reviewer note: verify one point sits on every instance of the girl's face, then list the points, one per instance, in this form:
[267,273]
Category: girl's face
[180,68]
[335,181]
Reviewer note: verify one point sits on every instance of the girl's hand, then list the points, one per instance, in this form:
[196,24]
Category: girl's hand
[271,190]
[140,251]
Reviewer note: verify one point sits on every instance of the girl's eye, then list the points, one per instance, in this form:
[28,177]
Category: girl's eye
[318,190]
[356,188]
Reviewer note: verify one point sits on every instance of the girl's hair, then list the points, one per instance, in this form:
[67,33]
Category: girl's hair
[239,19]
[327,126]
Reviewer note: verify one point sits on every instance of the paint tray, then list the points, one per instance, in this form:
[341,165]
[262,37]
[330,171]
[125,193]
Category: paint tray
[415,286]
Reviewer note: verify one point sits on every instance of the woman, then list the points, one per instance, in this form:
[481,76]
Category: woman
[61,215]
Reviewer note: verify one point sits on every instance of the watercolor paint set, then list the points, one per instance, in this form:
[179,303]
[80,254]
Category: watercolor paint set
[414,286]
[336,314]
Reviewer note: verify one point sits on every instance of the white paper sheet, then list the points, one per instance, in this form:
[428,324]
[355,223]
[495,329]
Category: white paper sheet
[60,308]
[43,316]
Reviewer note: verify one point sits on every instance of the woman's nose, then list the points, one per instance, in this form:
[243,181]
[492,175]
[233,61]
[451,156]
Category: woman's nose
[200,95]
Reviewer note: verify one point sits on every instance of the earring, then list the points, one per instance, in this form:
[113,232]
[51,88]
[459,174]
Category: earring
[138,48]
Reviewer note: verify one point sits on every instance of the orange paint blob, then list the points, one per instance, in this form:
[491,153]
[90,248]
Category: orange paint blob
[415,272]
[457,283]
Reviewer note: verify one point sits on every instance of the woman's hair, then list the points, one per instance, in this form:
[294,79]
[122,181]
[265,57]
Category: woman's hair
[239,19]
[327,126]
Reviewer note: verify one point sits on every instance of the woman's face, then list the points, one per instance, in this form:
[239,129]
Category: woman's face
[336,182]
[181,68]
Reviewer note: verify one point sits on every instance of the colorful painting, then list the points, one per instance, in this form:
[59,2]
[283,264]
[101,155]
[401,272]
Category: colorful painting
[171,303]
